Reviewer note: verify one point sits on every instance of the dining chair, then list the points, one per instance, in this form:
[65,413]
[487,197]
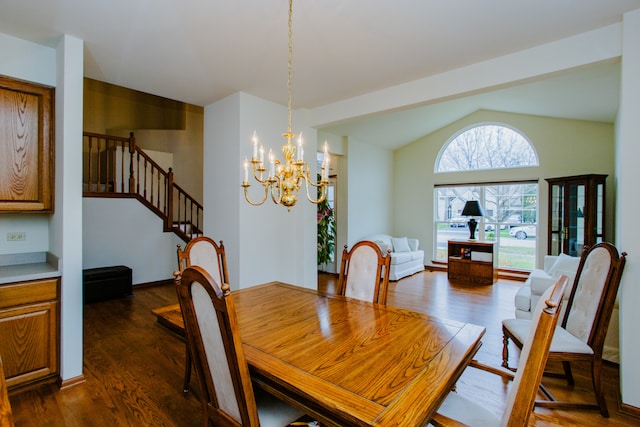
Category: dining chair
[6,417]
[226,392]
[204,252]
[364,272]
[458,410]
[583,330]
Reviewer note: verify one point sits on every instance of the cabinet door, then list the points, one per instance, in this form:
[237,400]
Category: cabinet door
[26,146]
[29,342]
[574,219]
[576,213]
[556,219]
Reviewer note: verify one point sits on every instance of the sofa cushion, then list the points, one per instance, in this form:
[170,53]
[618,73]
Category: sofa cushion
[400,244]
[384,247]
[417,255]
[523,298]
[565,264]
[401,257]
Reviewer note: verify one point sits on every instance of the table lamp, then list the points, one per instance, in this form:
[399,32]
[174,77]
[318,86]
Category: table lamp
[472,208]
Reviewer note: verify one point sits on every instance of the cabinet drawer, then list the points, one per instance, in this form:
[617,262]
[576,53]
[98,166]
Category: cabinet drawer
[15,294]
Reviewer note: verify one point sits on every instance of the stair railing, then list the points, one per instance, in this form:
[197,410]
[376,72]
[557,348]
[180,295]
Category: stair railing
[116,167]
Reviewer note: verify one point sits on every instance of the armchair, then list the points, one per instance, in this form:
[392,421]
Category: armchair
[584,326]
[540,280]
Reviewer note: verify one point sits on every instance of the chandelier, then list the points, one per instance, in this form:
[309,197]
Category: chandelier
[283,179]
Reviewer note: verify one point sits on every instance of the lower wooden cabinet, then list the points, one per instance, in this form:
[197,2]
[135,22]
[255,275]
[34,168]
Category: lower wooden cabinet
[30,331]
[472,261]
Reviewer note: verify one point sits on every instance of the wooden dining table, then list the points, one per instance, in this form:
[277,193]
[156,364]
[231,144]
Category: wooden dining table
[344,361]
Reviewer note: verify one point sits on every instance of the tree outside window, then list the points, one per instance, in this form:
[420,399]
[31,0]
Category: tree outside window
[508,207]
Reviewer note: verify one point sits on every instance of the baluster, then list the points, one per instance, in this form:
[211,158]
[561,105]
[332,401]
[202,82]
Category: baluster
[98,164]
[137,173]
[90,172]
[110,163]
[198,220]
[158,196]
[169,206]
[185,212]
[144,185]
[132,181]
[153,169]
[122,156]
[176,219]
[191,218]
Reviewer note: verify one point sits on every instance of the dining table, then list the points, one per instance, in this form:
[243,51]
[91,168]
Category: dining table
[344,361]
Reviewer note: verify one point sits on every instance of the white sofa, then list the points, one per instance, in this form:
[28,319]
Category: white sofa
[539,280]
[406,257]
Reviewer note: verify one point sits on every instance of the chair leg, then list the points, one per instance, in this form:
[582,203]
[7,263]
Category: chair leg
[567,372]
[505,351]
[187,371]
[596,377]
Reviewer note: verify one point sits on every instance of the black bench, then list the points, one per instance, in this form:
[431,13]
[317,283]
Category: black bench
[104,283]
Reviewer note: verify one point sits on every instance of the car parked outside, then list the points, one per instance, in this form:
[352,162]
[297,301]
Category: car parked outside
[461,222]
[523,232]
[458,222]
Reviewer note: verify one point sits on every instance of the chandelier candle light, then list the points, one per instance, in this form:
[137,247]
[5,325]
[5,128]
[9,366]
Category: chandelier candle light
[284,179]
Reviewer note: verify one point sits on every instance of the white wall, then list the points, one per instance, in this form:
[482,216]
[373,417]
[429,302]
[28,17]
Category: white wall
[36,228]
[263,243]
[628,204]
[67,219]
[32,62]
[370,185]
[125,232]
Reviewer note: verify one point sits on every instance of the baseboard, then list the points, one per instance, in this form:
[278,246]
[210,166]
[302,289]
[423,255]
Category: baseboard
[626,409]
[152,284]
[62,384]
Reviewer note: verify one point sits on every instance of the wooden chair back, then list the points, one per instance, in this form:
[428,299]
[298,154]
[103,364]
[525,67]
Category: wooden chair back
[533,359]
[226,393]
[6,416]
[204,252]
[364,272]
[594,294]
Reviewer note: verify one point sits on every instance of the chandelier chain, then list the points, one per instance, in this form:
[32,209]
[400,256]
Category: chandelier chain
[289,66]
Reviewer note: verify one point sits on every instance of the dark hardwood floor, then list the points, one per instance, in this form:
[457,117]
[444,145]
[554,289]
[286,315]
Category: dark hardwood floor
[134,367]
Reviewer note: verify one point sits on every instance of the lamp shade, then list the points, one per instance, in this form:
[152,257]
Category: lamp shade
[472,208]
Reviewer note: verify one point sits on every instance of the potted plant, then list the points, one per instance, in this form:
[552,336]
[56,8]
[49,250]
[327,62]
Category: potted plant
[326,233]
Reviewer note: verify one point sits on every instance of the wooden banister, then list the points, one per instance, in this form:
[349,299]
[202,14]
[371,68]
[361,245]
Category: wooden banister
[106,158]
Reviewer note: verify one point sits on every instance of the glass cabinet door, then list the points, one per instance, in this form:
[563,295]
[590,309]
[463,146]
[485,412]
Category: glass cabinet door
[575,229]
[576,213]
[556,219]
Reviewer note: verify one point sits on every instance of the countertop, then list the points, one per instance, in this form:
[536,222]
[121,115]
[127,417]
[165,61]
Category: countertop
[28,266]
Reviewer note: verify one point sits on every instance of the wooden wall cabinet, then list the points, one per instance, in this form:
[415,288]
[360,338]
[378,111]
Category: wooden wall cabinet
[26,146]
[576,213]
[30,331]
[472,261]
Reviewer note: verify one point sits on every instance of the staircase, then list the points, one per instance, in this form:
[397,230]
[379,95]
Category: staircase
[115,167]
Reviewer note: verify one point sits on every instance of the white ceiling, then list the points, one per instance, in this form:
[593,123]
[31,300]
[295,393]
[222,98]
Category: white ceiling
[199,51]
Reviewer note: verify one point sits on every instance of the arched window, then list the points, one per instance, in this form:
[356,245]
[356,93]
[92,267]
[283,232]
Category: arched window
[486,146]
[509,206]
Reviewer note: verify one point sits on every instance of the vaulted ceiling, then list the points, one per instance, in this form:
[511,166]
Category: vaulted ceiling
[199,51]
